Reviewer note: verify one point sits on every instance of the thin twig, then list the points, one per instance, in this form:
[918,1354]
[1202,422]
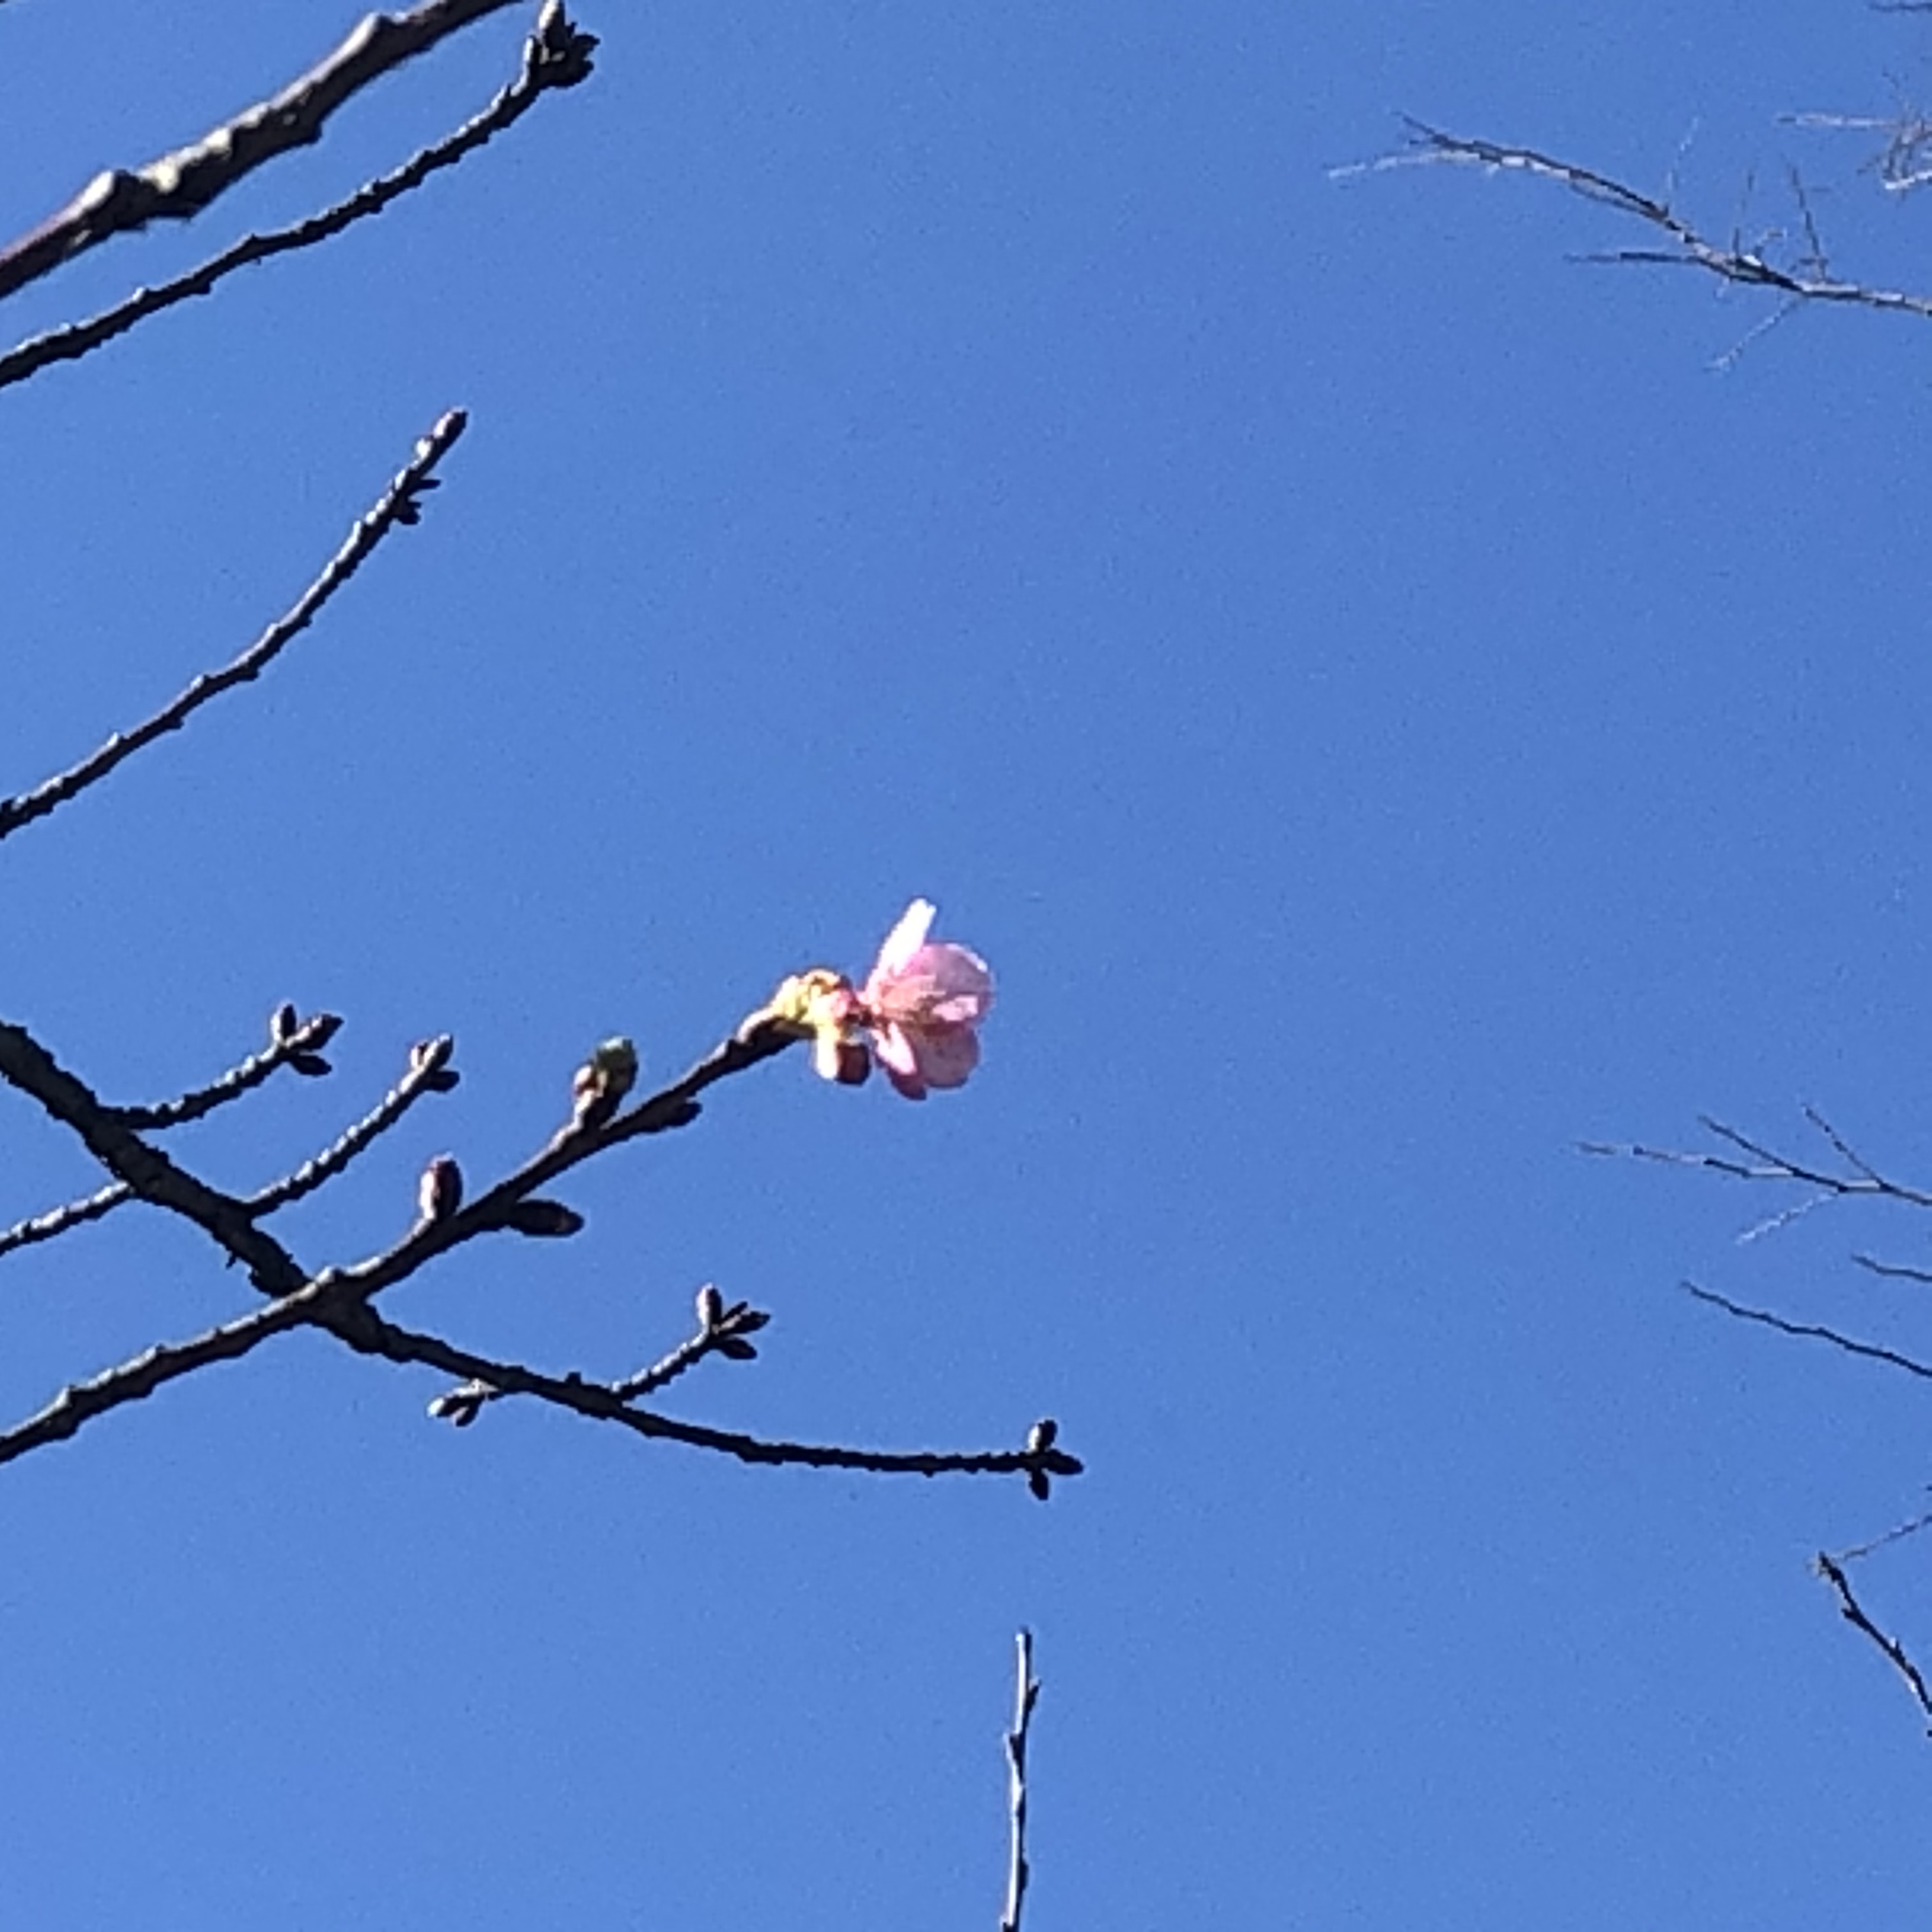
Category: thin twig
[181,183]
[1765,1165]
[1733,263]
[722,1330]
[299,1043]
[399,503]
[1902,164]
[59,1220]
[1810,1331]
[378,1336]
[1898,1533]
[1025,1696]
[1892,1270]
[556,55]
[1853,1613]
[428,1073]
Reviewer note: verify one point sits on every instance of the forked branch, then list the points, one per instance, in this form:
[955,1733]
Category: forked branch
[556,55]
[1804,278]
[180,183]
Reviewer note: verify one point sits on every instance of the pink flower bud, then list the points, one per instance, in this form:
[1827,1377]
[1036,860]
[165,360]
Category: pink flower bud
[439,1192]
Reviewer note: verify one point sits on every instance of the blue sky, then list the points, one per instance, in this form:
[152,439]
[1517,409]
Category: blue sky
[1386,708]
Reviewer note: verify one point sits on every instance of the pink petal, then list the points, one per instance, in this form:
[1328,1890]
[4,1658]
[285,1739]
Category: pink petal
[905,938]
[895,1050]
[946,1056]
[941,982]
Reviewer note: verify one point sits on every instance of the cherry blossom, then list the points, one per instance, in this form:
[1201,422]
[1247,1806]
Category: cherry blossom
[922,1003]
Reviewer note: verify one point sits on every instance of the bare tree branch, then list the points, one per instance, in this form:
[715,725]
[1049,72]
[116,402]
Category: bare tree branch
[1731,262]
[181,183]
[556,55]
[1025,1696]
[401,503]
[1853,1613]
[146,1171]
[291,1042]
[602,1402]
[80,1402]
[338,1300]
[1905,162]
[1763,1164]
[429,1072]
[1810,1331]
[58,1220]
[722,1330]
[760,1037]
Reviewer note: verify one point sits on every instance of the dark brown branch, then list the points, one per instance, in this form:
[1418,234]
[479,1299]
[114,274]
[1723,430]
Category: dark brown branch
[1765,1165]
[377,1336]
[1893,1270]
[59,1220]
[80,1402]
[1687,247]
[1810,1331]
[297,1042]
[429,1072]
[181,184]
[401,503]
[721,1330]
[759,1038]
[1853,1613]
[1026,1694]
[339,1300]
[556,55]
[291,1042]
[146,1172]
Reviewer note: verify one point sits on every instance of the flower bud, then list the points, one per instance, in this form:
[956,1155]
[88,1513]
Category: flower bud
[439,1192]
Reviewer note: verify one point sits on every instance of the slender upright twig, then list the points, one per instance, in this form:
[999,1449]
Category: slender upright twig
[1019,1870]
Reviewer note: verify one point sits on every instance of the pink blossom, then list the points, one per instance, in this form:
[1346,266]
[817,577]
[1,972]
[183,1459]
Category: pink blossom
[921,1002]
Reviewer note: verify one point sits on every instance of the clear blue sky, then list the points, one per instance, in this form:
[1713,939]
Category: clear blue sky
[1385,708]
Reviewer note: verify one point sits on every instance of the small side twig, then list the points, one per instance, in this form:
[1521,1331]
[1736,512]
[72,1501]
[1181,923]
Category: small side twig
[722,1330]
[401,503]
[429,1072]
[1018,1870]
[556,55]
[1854,1614]
[291,1042]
